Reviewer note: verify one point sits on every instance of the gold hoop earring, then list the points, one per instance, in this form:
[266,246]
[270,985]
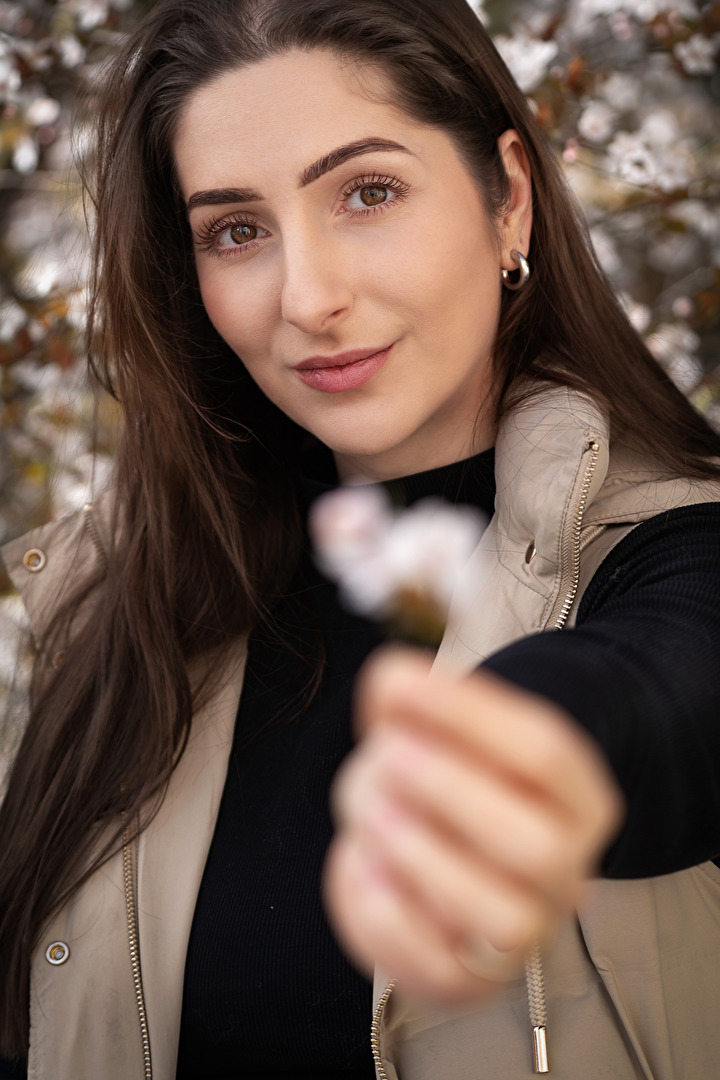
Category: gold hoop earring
[524,267]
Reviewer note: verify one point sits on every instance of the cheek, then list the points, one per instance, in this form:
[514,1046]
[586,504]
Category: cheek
[239,311]
[451,276]
[217,297]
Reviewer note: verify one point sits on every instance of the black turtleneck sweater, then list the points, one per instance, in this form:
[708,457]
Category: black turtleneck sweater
[267,992]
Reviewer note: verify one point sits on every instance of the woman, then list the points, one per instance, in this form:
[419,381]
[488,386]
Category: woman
[331,243]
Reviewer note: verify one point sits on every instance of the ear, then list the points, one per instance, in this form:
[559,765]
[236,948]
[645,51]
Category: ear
[516,222]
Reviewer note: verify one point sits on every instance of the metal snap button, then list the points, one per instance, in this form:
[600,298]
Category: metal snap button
[34,560]
[57,953]
[531,552]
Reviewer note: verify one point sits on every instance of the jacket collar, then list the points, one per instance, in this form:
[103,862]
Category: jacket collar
[542,456]
[518,574]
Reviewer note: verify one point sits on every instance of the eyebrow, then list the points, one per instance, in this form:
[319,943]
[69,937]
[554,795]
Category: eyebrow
[345,153]
[325,164]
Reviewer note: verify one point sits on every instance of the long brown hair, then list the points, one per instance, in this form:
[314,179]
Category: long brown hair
[205,524]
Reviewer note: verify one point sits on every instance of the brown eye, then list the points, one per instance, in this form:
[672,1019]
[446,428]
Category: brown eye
[241,234]
[373,196]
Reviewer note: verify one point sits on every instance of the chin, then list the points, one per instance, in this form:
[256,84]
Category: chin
[359,448]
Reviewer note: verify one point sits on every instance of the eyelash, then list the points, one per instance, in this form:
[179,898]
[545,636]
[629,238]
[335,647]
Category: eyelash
[392,183]
[207,236]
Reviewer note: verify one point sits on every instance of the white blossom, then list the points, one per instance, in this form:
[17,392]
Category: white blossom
[12,317]
[643,10]
[80,479]
[10,16]
[584,14]
[622,27]
[682,307]
[536,22]
[36,378]
[348,525]
[632,159]
[15,670]
[638,314]
[635,109]
[697,55]
[675,169]
[478,7]
[659,128]
[699,216]
[621,91]
[527,58]
[25,155]
[379,557]
[42,112]
[72,53]
[655,154]
[606,250]
[89,13]
[597,121]
[9,76]
[13,625]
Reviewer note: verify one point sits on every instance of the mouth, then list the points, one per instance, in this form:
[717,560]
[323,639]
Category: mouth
[343,371]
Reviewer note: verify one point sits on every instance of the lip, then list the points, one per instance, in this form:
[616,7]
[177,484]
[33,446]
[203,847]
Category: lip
[343,371]
[319,363]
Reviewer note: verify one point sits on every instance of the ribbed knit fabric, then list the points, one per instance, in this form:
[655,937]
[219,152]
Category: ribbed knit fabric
[268,993]
[641,672]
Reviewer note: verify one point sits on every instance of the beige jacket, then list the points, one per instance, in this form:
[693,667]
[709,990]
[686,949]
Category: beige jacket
[632,984]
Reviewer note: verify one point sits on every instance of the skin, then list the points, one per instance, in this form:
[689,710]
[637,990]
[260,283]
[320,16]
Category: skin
[469,821]
[326,274]
[471,812]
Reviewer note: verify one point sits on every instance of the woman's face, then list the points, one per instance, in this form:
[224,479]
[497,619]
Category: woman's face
[344,253]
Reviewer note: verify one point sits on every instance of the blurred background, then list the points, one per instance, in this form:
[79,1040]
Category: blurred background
[627,90]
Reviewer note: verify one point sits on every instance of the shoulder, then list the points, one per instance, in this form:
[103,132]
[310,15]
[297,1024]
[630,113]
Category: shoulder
[674,553]
[553,433]
[633,491]
[49,563]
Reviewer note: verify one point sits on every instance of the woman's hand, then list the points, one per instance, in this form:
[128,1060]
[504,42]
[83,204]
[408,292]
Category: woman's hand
[468,820]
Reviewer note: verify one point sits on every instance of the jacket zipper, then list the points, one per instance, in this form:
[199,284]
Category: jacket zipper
[129,875]
[534,975]
[536,989]
[93,533]
[129,860]
[575,538]
[533,967]
[375,1029]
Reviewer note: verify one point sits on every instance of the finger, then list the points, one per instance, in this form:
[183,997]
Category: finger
[471,898]
[379,923]
[476,810]
[519,734]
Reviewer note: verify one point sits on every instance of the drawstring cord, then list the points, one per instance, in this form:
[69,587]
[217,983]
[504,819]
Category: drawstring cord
[537,1007]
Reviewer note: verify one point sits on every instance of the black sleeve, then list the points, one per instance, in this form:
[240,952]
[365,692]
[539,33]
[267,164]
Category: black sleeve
[641,672]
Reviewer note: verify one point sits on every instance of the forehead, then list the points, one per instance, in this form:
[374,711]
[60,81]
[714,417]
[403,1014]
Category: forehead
[280,114]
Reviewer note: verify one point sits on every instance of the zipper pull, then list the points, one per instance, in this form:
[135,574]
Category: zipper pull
[540,1059]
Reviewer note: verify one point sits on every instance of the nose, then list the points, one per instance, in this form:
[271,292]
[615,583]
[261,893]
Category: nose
[316,292]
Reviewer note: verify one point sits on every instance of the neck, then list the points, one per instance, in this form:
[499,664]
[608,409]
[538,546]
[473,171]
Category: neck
[404,460]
